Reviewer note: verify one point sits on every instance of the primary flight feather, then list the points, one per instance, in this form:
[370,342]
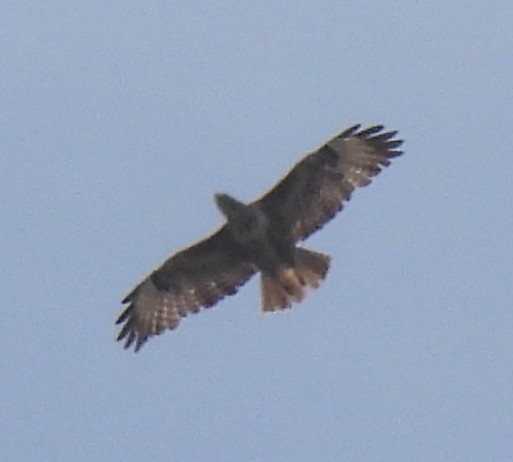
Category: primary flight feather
[262,237]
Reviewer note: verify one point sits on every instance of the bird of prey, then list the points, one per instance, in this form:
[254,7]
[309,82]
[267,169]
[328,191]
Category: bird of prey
[261,237]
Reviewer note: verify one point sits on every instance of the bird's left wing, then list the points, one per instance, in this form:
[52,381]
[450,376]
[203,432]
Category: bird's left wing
[198,276]
[316,188]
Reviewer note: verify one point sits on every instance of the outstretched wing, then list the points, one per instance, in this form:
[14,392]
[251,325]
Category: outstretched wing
[318,185]
[198,276]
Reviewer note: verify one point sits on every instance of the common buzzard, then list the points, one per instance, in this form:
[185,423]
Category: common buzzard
[262,237]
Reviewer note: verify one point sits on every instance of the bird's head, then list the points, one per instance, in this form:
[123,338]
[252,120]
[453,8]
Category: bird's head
[228,206]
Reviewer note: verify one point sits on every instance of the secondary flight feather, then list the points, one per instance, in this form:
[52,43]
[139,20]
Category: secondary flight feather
[261,237]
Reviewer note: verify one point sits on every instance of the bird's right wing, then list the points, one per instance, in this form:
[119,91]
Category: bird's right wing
[198,276]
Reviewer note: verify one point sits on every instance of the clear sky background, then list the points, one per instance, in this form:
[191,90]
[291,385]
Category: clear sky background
[119,120]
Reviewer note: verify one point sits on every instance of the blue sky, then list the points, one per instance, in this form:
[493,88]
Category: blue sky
[119,120]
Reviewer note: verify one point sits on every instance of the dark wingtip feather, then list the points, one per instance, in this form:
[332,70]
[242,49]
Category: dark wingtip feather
[383,137]
[392,144]
[123,316]
[125,330]
[140,342]
[131,294]
[129,340]
[382,140]
[370,131]
[350,131]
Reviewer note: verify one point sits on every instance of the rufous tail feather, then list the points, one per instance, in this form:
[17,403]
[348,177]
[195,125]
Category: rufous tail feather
[290,286]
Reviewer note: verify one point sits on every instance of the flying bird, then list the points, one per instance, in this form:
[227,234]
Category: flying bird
[261,237]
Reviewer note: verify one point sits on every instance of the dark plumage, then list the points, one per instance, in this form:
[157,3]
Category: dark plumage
[261,237]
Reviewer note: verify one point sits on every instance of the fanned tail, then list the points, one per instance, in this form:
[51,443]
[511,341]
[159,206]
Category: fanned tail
[280,292]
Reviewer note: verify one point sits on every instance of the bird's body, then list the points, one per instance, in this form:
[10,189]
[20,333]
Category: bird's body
[261,236]
[273,253]
[249,227]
